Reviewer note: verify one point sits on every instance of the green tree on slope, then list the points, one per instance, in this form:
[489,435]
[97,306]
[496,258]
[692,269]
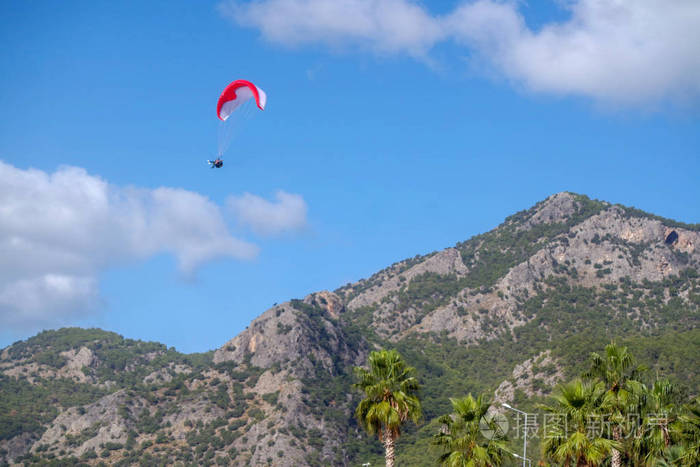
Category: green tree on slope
[461,437]
[391,398]
[623,395]
[568,438]
[689,434]
[653,438]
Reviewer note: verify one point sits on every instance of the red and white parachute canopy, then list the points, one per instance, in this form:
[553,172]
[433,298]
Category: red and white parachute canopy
[236,94]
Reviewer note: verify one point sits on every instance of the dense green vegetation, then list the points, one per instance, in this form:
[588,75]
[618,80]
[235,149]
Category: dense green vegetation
[570,321]
[325,388]
[617,414]
[615,410]
[27,403]
[469,436]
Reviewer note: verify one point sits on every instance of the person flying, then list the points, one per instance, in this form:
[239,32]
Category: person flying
[236,100]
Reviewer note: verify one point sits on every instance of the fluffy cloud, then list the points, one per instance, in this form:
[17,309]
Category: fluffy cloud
[619,51]
[624,51]
[59,230]
[45,299]
[384,26]
[288,213]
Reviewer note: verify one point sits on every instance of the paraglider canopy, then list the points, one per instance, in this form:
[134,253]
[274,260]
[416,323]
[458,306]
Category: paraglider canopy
[236,94]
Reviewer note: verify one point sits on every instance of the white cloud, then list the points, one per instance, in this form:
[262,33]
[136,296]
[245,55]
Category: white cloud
[59,230]
[384,26]
[287,214]
[620,51]
[617,51]
[44,299]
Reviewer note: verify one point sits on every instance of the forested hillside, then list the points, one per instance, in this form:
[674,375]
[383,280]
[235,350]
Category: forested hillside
[510,313]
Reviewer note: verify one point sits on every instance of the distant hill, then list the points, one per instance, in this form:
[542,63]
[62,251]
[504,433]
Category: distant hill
[510,312]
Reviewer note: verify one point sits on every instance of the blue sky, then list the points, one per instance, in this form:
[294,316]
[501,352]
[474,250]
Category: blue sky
[393,128]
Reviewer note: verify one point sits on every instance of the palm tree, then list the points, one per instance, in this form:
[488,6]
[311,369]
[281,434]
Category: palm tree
[669,434]
[618,372]
[672,457]
[653,437]
[461,437]
[391,398]
[568,437]
[688,430]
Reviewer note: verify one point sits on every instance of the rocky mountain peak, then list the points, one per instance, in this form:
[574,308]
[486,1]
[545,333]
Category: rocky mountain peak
[327,301]
[556,208]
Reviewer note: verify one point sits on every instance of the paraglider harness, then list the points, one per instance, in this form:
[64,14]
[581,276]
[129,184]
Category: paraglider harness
[217,163]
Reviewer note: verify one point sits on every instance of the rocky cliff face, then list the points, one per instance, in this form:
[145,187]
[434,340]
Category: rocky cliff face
[504,312]
[255,401]
[591,244]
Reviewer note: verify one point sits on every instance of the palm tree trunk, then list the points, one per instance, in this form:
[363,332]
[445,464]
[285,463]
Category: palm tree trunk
[616,457]
[388,447]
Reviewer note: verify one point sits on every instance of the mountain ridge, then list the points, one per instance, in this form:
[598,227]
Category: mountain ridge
[511,311]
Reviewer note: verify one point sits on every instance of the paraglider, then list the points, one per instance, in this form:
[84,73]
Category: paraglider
[216,163]
[233,107]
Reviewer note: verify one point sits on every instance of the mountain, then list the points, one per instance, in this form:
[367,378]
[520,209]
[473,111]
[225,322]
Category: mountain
[510,312]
